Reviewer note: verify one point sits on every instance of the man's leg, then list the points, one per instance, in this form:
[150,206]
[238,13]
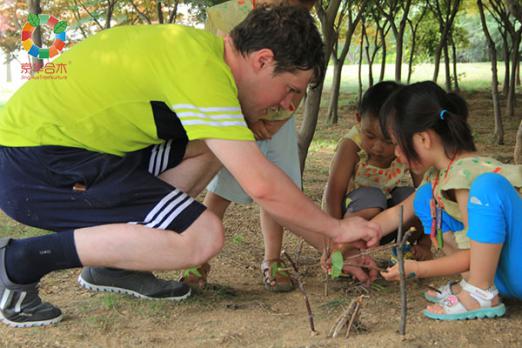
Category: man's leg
[190,176]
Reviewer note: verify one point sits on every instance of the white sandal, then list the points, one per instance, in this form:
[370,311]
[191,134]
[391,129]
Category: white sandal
[455,310]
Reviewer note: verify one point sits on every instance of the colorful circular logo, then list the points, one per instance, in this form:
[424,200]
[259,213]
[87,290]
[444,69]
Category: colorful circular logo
[58,28]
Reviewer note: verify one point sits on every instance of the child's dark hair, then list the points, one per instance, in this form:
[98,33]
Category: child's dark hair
[422,106]
[375,96]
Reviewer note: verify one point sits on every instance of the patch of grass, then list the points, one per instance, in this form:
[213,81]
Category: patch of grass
[238,239]
[333,305]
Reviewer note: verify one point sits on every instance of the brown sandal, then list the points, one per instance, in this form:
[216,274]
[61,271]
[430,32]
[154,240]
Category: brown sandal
[195,277]
[276,277]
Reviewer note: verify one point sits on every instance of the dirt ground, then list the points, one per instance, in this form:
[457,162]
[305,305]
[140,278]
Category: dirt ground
[236,311]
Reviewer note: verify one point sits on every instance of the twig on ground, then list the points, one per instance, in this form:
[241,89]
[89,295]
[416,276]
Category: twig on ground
[326,252]
[355,315]
[347,318]
[298,251]
[303,291]
[400,259]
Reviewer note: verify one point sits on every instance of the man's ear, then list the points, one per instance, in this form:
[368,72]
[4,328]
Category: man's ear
[262,59]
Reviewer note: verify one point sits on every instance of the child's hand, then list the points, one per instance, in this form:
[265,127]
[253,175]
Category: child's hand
[411,269]
[260,131]
[362,274]
[422,252]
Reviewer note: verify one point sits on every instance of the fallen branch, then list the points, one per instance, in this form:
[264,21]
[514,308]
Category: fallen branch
[402,277]
[347,318]
[303,291]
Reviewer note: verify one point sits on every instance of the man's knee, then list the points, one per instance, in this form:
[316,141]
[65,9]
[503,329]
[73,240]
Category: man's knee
[206,237]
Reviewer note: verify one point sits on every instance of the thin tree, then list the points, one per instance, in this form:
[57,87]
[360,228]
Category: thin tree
[34,7]
[515,34]
[499,128]
[515,7]
[326,12]
[390,10]
[445,12]
[351,13]
[414,26]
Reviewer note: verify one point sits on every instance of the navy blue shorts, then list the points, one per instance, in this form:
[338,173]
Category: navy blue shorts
[62,188]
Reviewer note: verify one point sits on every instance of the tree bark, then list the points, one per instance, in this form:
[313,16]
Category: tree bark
[505,49]
[359,71]
[499,127]
[333,109]
[34,7]
[511,97]
[447,67]
[383,56]
[313,100]
[8,71]
[454,61]
[445,27]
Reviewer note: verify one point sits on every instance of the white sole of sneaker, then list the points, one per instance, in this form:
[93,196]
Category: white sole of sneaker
[92,287]
[30,323]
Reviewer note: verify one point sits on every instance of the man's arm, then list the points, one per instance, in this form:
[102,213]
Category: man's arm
[276,193]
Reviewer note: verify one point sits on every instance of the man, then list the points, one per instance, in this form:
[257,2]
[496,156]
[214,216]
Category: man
[276,138]
[111,156]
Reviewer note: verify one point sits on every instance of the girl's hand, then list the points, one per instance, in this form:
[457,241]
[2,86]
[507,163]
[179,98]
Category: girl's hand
[411,270]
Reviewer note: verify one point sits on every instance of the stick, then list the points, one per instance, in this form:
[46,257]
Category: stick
[326,251]
[355,315]
[400,258]
[298,252]
[303,291]
[347,318]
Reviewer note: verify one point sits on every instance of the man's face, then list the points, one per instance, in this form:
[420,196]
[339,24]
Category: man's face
[264,92]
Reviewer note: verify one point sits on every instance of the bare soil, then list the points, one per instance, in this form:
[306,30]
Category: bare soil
[236,311]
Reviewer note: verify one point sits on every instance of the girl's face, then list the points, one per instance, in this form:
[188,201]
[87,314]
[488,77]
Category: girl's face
[373,141]
[424,161]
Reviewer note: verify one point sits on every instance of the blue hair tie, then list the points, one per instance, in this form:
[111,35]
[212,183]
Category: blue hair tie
[443,113]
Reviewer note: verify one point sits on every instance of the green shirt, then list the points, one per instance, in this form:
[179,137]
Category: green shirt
[113,81]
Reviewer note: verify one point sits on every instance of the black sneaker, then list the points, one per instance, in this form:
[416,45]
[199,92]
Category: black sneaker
[139,284]
[20,305]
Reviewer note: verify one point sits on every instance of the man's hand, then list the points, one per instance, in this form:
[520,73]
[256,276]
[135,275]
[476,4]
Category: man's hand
[411,269]
[355,229]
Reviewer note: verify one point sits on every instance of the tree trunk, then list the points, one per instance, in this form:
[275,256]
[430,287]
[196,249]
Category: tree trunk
[499,127]
[313,100]
[8,71]
[398,58]
[159,11]
[34,7]
[447,67]
[454,61]
[518,71]
[383,56]
[359,71]
[368,60]
[511,99]
[333,114]
[518,145]
[412,52]
[505,49]
[445,28]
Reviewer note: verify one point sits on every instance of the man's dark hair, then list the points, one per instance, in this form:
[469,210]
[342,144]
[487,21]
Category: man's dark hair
[291,34]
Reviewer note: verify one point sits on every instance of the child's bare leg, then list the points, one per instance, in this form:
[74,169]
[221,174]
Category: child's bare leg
[367,214]
[216,204]
[450,248]
[483,265]
[272,236]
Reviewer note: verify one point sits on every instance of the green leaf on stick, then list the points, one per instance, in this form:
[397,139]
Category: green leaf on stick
[337,264]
